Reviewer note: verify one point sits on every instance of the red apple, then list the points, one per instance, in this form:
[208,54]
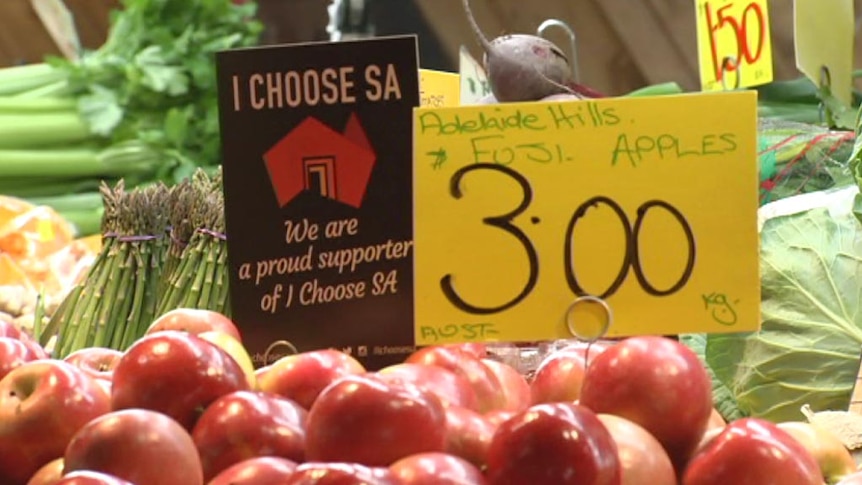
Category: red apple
[828,450]
[49,474]
[13,353]
[301,377]
[91,478]
[497,417]
[340,474]
[707,437]
[588,349]
[258,373]
[261,470]
[641,455]
[365,419]
[752,451]
[657,383]
[34,347]
[195,321]
[141,446]
[248,424]
[451,388]
[42,405]
[176,373]
[559,443]
[235,349]
[8,329]
[436,469]
[488,389]
[468,434]
[99,362]
[560,375]
[516,389]
[478,349]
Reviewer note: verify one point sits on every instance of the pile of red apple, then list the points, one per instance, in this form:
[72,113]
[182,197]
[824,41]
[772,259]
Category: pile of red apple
[184,406]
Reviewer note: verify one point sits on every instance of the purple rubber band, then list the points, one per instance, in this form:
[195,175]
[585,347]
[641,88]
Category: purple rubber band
[214,234]
[177,240]
[128,238]
[137,238]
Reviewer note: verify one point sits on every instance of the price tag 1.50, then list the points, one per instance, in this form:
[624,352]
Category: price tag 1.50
[522,209]
[733,42]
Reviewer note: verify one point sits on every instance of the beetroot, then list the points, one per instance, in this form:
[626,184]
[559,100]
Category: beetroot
[522,67]
[562,97]
[487,99]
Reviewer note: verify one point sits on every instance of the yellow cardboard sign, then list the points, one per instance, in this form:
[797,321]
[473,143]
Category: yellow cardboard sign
[733,43]
[474,82]
[823,36]
[649,203]
[438,89]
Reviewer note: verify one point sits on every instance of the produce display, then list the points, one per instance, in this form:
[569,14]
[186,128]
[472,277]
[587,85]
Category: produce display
[451,414]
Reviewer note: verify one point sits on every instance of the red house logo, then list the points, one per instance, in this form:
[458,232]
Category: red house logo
[314,157]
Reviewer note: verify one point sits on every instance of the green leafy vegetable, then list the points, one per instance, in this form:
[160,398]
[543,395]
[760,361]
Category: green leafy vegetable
[837,114]
[156,72]
[808,349]
[66,125]
[722,398]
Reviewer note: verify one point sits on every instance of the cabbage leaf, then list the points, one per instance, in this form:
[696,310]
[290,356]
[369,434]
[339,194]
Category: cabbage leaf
[722,398]
[808,348]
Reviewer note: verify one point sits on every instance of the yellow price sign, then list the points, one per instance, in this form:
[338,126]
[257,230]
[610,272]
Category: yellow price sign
[733,43]
[438,89]
[823,36]
[646,205]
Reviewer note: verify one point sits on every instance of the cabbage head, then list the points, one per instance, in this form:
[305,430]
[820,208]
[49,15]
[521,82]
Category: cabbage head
[808,348]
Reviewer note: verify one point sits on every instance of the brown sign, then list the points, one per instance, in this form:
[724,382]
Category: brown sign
[317,150]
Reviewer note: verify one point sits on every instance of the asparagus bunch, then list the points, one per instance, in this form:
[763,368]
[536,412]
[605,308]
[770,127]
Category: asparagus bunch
[200,278]
[116,301]
[183,209]
[163,248]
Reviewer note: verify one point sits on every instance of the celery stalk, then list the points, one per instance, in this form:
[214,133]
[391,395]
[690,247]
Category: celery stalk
[41,130]
[78,162]
[29,187]
[57,163]
[83,202]
[48,90]
[84,211]
[662,89]
[12,105]
[86,223]
[18,79]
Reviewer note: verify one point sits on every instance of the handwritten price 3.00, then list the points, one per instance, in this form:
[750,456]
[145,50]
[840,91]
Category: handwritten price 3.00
[631,260]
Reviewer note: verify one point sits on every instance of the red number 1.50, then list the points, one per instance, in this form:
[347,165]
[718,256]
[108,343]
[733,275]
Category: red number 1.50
[748,50]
